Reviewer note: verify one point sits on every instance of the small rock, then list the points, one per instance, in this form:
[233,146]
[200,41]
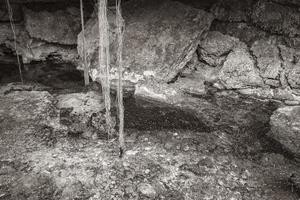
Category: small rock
[285,128]
[147,190]
[168,145]
[271,82]
[291,103]
[72,191]
[131,152]
[7,170]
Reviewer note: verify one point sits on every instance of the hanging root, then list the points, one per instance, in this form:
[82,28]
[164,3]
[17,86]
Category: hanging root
[120,25]
[104,62]
[10,13]
[86,69]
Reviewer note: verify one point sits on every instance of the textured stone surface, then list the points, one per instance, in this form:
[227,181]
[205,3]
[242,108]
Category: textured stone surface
[26,106]
[267,57]
[285,127]
[294,76]
[160,38]
[288,2]
[61,26]
[239,71]
[243,31]
[276,18]
[33,49]
[215,47]
[232,10]
[83,113]
[147,190]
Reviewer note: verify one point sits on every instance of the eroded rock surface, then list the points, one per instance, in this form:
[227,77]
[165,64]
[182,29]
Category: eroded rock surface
[159,39]
[83,114]
[285,128]
[276,18]
[59,27]
[22,114]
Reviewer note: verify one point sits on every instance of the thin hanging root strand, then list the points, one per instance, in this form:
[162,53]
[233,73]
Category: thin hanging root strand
[86,69]
[104,62]
[120,35]
[10,13]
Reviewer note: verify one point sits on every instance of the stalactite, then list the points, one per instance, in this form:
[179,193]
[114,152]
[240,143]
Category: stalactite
[86,69]
[120,28]
[10,13]
[104,61]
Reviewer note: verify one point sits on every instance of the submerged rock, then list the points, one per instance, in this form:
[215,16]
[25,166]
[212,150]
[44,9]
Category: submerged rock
[285,128]
[159,39]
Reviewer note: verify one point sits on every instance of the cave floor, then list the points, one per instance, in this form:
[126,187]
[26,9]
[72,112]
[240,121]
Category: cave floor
[158,164]
[163,164]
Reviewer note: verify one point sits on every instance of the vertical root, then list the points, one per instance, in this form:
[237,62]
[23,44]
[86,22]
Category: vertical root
[10,13]
[86,69]
[104,61]
[120,26]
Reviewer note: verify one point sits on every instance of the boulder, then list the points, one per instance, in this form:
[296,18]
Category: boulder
[288,2]
[83,113]
[232,10]
[267,57]
[61,26]
[276,18]
[159,39]
[293,76]
[243,31]
[32,49]
[239,71]
[285,128]
[214,48]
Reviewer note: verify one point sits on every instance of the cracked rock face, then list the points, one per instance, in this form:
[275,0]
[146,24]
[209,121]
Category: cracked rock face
[239,71]
[159,39]
[285,128]
[267,56]
[64,25]
[276,18]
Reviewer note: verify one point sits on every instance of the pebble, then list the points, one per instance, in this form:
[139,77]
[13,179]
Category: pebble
[131,152]
[168,145]
[7,170]
[147,171]
[148,148]
[147,190]
[291,103]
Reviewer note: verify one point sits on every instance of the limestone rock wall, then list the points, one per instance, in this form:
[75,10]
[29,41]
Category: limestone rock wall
[250,47]
[43,32]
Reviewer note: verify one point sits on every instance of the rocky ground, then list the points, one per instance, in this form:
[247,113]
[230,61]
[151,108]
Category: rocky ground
[49,153]
[212,102]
